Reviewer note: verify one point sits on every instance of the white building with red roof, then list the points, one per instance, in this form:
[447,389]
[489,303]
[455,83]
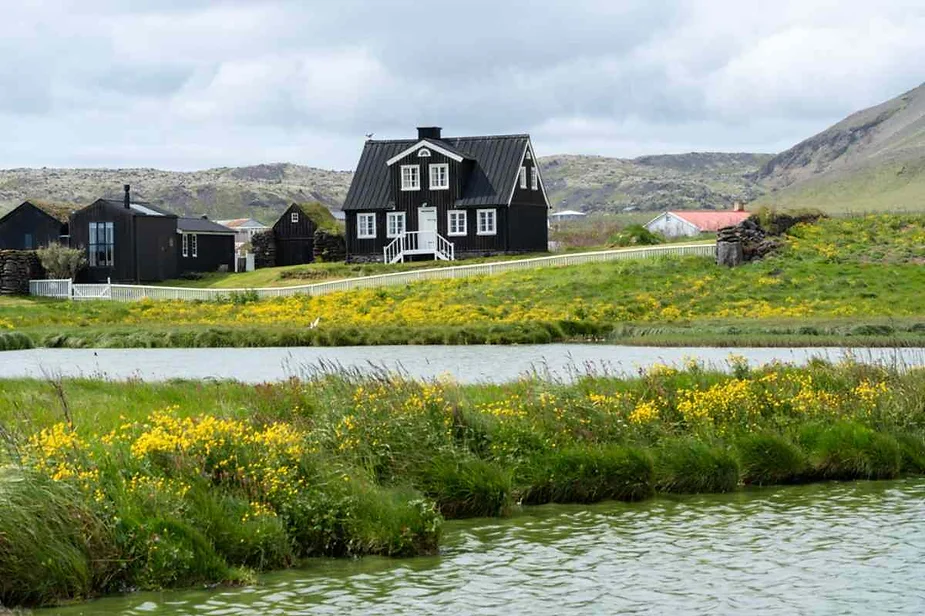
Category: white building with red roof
[689,223]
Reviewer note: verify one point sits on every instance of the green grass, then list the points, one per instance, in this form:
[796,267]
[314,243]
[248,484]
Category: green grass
[855,281]
[107,486]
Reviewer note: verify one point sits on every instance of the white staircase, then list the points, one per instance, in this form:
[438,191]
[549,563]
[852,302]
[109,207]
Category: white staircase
[419,243]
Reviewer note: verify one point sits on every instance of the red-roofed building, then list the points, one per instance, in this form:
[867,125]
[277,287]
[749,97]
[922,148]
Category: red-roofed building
[690,223]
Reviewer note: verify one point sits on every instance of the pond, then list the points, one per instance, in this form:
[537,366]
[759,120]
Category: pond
[468,364]
[846,548]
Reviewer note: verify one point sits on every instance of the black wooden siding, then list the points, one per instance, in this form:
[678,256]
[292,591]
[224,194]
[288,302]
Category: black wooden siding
[213,252]
[27,219]
[144,246]
[294,240]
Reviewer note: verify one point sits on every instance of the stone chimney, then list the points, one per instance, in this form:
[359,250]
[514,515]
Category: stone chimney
[429,132]
[127,200]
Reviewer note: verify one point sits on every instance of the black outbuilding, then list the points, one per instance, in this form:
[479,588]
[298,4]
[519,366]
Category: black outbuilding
[126,241]
[445,198]
[204,246]
[294,234]
[33,224]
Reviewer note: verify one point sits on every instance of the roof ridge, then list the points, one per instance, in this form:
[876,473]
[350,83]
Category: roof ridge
[468,138]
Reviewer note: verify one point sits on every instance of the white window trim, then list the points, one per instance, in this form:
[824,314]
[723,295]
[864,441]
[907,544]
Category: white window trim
[422,144]
[424,153]
[494,222]
[294,217]
[389,217]
[185,245]
[465,223]
[529,155]
[523,177]
[417,175]
[361,235]
[534,179]
[435,167]
[194,249]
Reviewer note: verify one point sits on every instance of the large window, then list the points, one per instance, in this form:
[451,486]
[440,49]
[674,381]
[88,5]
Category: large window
[487,222]
[102,244]
[456,223]
[410,177]
[523,177]
[366,226]
[394,224]
[440,177]
[534,179]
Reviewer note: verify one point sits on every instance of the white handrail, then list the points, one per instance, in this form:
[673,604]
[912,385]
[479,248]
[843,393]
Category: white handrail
[127,292]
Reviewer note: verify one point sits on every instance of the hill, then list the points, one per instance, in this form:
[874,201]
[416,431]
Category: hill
[260,191]
[872,160]
[682,181]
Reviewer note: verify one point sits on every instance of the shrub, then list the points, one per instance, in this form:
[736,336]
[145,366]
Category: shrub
[635,235]
[770,459]
[15,341]
[689,466]
[851,451]
[588,475]
[467,487]
[912,453]
[60,261]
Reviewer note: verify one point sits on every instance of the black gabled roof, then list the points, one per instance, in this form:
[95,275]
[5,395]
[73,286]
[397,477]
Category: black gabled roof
[496,162]
[201,225]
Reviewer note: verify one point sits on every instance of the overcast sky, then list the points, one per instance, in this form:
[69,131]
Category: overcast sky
[188,84]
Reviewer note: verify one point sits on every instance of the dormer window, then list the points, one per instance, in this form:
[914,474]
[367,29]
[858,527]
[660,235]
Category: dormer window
[523,177]
[410,177]
[423,153]
[440,177]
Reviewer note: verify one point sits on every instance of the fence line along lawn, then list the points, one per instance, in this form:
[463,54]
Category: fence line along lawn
[855,281]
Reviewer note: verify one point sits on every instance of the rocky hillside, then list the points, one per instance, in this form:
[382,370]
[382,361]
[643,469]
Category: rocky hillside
[872,160]
[684,181]
[260,191]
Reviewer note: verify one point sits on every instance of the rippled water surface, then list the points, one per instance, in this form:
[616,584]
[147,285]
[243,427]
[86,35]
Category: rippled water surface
[466,363]
[850,548]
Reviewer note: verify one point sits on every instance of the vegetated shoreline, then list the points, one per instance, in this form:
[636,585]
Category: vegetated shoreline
[859,333]
[112,486]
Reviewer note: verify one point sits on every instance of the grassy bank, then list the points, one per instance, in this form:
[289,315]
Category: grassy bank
[112,486]
[841,282]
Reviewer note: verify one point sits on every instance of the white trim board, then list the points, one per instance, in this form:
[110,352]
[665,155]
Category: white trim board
[422,144]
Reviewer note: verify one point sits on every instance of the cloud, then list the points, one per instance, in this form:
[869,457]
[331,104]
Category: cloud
[193,84]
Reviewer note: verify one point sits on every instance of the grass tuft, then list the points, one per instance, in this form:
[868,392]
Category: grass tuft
[770,459]
[687,466]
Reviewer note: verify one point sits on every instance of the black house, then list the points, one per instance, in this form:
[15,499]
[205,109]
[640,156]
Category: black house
[33,224]
[294,234]
[445,198]
[126,240]
[204,246]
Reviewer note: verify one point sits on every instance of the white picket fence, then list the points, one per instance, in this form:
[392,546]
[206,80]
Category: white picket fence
[65,289]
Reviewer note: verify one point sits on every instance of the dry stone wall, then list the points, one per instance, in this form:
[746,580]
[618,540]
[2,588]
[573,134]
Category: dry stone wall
[17,268]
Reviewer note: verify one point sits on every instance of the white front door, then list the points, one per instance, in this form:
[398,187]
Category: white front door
[427,225]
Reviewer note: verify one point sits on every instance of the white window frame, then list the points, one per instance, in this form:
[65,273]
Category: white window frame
[294,217]
[534,179]
[523,177]
[436,168]
[194,245]
[363,230]
[529,156]
[107,244]
[461,230]
[423,153]
[413,181]
[185,245]
[390,217]
[492,215]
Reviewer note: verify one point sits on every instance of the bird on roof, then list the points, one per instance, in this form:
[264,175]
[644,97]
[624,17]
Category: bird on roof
[369,136]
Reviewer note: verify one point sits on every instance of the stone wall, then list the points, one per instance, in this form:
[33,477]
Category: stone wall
[17,268]
[744,242]
[328,247]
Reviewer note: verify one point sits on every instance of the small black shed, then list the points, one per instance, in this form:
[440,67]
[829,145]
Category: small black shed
[294,234]
[126,241]
[204,246]
[33,224]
